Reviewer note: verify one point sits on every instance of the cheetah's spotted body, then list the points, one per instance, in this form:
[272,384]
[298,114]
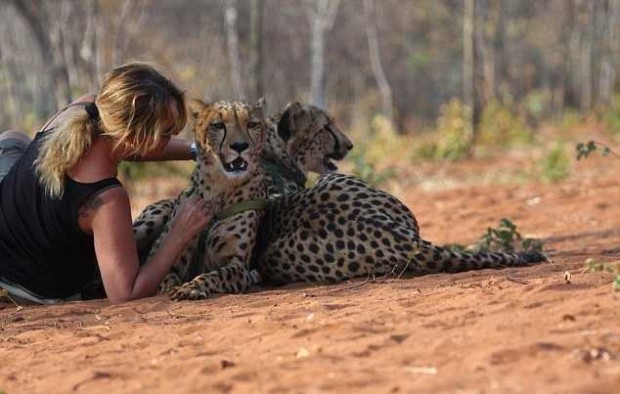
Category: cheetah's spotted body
[342,228]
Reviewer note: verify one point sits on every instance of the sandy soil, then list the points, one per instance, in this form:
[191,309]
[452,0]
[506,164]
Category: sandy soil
[504,331]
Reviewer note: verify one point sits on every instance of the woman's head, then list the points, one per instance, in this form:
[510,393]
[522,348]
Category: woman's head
[139,107]
[138,110]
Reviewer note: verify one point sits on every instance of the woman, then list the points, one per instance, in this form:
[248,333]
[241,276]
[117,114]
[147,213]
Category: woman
[62,210]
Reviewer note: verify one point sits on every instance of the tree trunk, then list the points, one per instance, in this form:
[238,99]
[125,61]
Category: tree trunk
[581,54]
[499,51]
[10,107]
[88,52]
[232,44]
[322,18]
[469,65]
[99,40]
[481,57]
[375,61]
[31,11]
[317,79]
[256,86]
[58,44]
[120,36]
[608,10]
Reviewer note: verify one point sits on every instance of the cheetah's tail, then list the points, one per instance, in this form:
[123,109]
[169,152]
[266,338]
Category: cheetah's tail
[429,258]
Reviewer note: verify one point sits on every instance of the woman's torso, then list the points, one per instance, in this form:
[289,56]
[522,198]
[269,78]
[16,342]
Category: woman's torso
[42,246]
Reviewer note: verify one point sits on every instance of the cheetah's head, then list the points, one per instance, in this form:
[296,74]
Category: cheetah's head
[231,133]
[312,138]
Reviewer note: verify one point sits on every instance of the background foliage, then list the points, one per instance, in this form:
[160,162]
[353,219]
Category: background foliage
[461,76]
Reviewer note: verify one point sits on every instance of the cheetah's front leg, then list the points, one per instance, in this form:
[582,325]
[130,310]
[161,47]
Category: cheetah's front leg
[235,277]
[179,272]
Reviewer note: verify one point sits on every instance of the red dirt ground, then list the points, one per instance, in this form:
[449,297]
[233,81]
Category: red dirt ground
[491,331]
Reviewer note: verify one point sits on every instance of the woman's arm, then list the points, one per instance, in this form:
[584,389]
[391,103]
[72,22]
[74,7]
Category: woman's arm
[177,149]
[115,246]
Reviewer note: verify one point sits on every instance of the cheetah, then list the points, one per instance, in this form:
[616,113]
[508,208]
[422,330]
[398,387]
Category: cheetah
[230,137]
[342,228]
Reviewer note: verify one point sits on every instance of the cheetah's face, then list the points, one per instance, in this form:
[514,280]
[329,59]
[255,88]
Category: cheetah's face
[232,133]
[312,138]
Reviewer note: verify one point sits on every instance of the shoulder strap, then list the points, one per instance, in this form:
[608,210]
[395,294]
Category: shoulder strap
[44,128]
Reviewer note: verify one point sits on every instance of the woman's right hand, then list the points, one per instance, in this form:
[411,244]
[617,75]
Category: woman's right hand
[191,217]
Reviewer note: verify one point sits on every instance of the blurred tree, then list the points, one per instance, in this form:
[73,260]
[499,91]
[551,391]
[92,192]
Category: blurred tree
[232,43]
[608,12]
[321,14]
[256,85]
[469,67]
[375,61]
[49,42]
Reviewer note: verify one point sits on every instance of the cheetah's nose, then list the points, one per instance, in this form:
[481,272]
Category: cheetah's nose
[239,146]
[349,145]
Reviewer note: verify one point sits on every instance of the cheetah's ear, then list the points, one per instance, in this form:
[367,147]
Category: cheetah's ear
[286,125]
[196,107]
[259,106]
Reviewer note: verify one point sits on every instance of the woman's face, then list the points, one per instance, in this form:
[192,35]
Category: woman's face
[164,139]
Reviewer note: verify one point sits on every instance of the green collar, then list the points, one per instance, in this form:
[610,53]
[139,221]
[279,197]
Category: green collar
[242,206]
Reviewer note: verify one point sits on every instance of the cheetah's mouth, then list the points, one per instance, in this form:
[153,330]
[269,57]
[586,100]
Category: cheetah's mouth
[329,164]
[237,165]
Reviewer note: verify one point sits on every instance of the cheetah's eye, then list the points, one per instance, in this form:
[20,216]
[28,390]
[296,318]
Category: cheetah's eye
[218,125]
[252,125]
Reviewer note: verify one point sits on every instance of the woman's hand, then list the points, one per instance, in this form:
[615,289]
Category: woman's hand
[191,217]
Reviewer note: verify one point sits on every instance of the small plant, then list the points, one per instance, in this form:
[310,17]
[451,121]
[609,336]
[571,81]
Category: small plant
[504,238]
[593,265]
[453,137]
[555,166]
[500,126]
[584,149]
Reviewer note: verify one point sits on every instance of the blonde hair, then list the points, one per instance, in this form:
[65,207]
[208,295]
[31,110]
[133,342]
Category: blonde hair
[134,104]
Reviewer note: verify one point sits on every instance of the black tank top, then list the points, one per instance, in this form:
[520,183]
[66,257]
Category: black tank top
[42,247]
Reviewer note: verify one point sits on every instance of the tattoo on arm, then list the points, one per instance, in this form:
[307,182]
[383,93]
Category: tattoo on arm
[90,206]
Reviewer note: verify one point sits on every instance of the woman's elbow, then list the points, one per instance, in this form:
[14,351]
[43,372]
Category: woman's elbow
[121,295]
[116,299]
